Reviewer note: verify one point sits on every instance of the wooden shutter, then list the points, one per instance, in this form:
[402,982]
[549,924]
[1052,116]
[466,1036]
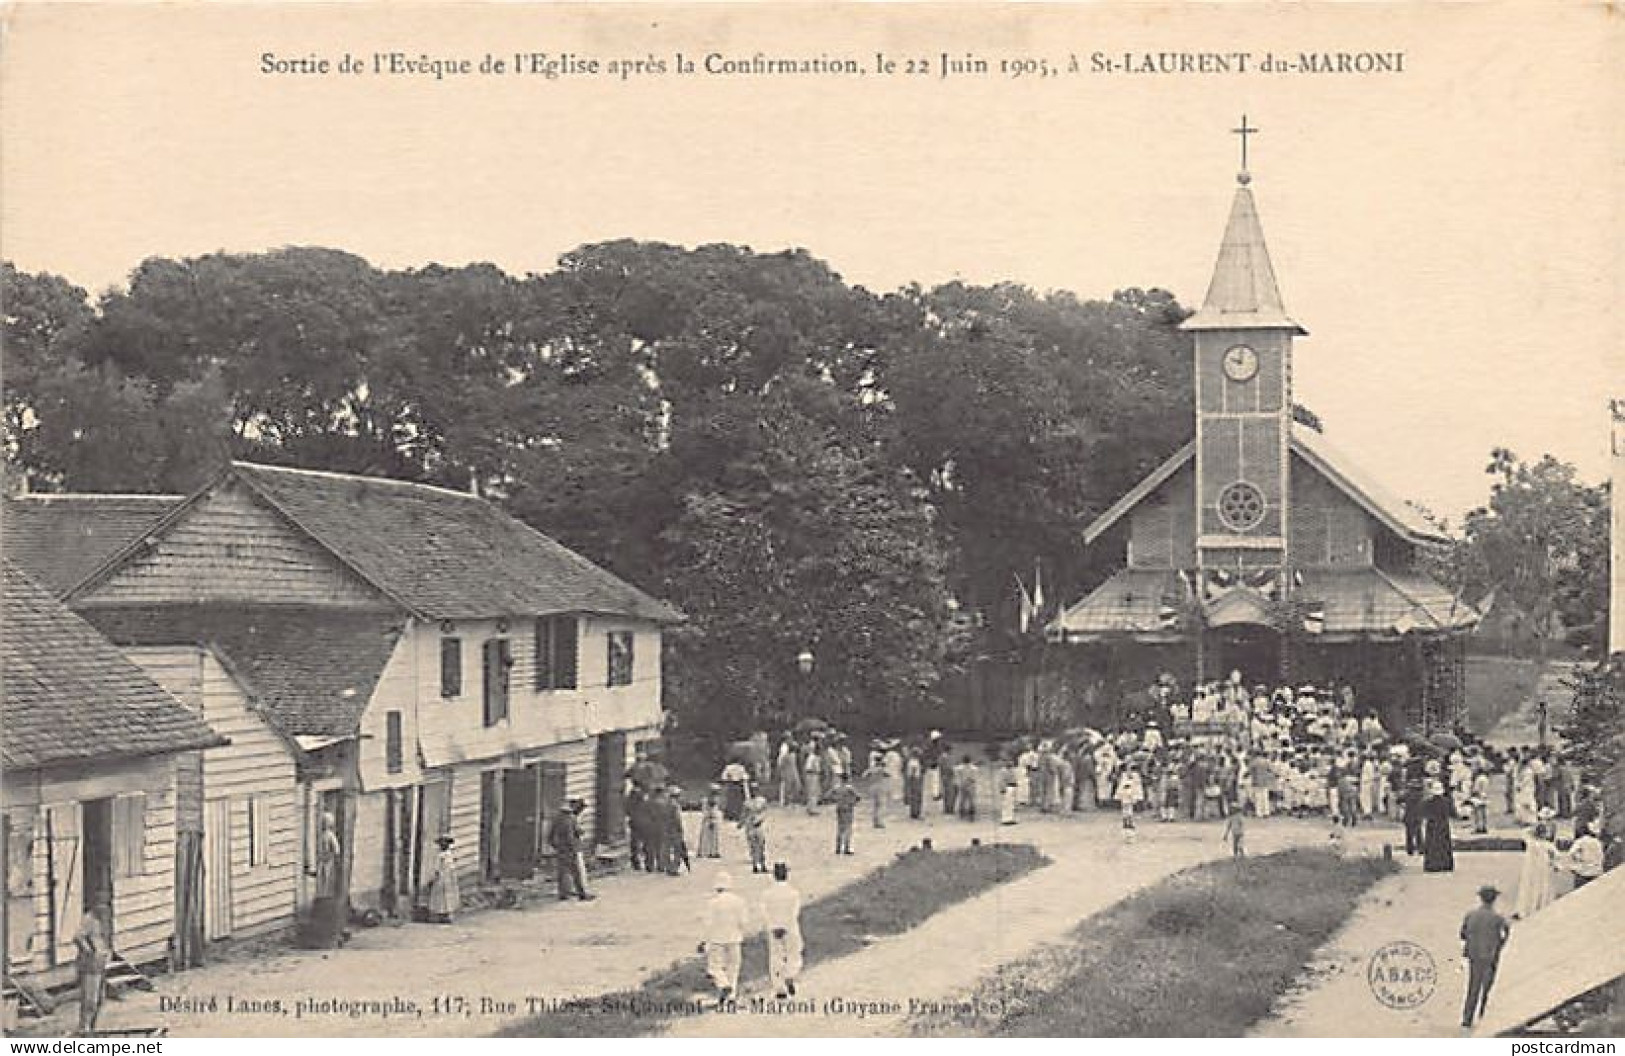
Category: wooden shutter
[130,835]
[451,667]
[496,657]
[544,653]
[565,652]
[259,830]
[618,662]
[392,742]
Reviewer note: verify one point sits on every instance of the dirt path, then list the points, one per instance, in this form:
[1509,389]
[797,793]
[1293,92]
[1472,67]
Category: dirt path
[1336,999]
[483,968]
[1522,726]
[868,994]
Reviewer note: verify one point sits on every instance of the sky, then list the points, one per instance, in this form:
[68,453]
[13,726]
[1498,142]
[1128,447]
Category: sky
[1451,236]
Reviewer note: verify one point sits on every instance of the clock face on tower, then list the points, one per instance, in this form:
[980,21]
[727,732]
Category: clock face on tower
[1240,362]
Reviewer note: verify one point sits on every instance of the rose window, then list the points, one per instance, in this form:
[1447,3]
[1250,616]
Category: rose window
[1241,506]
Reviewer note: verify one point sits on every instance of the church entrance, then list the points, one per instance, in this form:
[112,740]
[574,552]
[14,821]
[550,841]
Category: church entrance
[1252,649]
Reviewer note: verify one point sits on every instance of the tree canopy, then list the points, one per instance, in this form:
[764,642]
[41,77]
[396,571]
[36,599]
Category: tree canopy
[795,461]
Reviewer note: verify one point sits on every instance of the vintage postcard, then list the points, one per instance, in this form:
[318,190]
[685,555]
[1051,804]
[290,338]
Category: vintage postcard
[813,520]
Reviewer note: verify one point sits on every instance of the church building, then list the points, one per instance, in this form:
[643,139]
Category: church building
[1257,547]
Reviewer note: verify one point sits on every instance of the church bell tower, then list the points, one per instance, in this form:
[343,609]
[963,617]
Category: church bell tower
[1243,339]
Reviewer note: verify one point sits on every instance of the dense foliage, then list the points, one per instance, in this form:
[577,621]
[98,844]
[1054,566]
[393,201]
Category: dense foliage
[796,462]
[1540,548]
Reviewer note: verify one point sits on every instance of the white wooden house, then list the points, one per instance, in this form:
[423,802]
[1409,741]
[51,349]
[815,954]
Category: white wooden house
[89,795]
[444,667]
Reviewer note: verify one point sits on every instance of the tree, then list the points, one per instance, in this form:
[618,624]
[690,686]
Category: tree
[1025,417]
[1595,732]
[805,542]
[1542,544]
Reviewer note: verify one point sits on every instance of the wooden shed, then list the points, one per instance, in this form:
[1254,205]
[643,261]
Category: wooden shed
[90,797]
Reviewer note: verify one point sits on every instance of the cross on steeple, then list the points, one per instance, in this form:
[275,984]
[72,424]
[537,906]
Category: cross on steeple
[1244,131]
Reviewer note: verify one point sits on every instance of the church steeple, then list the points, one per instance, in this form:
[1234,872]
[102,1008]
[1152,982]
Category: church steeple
[1243,381]
[1243,293]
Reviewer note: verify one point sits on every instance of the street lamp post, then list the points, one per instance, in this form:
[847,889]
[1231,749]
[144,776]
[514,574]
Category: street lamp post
[804,664]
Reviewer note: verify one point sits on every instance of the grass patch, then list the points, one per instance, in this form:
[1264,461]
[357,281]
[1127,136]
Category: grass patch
[1204,953]
[1498,686]
[891,900]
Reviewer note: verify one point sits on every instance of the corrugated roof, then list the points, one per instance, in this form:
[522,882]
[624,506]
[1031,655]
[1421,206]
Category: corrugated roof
[1128,604]
[1397,515]
[1243,292]
[309,671]
[1357,602]
[58,540]
[445,554]
[68,695]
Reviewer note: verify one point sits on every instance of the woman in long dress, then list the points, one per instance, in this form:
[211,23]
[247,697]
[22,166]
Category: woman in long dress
[1535,878]
[1438,853]
[444,898]
[709,844]
[1009,789]
[1524,806]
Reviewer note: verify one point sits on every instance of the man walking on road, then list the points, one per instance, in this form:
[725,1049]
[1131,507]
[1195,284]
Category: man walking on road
[781,913]
[727,919]
[1483,934]
[565,839]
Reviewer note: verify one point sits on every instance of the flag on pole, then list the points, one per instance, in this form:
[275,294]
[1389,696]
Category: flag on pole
[1038,588]
[1028,609]
[1314,618]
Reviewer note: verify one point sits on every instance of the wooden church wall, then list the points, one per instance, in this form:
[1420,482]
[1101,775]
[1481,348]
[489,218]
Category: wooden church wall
[1326,527]
[1162,532]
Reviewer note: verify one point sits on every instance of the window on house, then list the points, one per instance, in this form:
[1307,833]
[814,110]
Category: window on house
[556,652]
[451,667]
[619,661]
[130,835]
[392,742]
[259,830]
[498,660]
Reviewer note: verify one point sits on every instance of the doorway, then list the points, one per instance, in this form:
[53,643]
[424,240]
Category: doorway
[97,819]
[1253,650]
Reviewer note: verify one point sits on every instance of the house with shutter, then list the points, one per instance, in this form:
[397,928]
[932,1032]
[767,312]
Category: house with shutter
[90,799]
[439,666]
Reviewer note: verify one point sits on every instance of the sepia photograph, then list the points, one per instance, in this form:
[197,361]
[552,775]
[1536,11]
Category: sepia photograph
[812,520]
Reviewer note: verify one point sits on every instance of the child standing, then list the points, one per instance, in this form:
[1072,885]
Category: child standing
[710,840]
[846,805]
[1235,830]
[754,822]
[1130,791]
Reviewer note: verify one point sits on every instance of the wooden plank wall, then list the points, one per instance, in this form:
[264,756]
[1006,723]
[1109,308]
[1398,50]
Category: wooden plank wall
[257,764]
[143,905]
[231,547]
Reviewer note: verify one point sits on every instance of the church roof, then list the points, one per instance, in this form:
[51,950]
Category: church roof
[1243,292]
[1398,516]
[1355,602]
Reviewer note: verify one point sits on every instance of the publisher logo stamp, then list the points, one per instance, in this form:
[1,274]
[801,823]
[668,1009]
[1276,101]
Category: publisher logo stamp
[1402,975]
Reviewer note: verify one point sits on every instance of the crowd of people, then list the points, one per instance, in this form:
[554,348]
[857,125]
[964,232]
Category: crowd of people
[1227,750]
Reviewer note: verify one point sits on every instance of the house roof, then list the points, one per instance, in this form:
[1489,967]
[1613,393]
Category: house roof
[68,695]
[58,540]
[438,553]
[1398,516]
[1243,292]
[310,672]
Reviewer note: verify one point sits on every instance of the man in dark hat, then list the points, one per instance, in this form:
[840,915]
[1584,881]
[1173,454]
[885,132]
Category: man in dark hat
[565,839]
[1483,933]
